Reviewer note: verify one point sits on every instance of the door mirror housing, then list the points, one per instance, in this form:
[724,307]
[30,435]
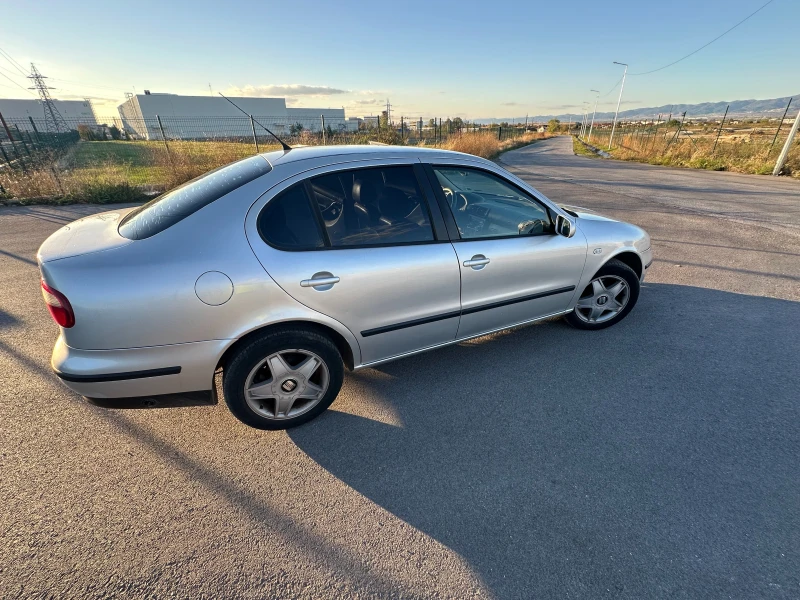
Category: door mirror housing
[564,226]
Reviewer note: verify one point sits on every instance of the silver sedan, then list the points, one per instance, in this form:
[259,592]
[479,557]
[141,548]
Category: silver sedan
[284,268]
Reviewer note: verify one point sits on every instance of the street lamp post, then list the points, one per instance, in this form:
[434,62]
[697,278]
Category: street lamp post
[585,118]
[614,126]
[593,113]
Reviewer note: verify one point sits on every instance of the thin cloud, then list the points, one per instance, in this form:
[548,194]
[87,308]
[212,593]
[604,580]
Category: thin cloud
[511,104]
[290,89]
[562,106]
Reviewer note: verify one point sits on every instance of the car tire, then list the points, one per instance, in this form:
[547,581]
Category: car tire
[283,378]
[604,305]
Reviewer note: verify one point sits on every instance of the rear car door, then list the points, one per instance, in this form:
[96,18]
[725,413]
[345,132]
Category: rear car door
[514,267]
[363,247]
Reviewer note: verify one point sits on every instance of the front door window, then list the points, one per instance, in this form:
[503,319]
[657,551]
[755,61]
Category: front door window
[486,206]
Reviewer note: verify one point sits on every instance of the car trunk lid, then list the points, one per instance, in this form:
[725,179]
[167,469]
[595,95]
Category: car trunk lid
[89,234]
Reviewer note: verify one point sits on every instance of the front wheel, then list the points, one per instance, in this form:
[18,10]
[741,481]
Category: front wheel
[283,379]
[608,298]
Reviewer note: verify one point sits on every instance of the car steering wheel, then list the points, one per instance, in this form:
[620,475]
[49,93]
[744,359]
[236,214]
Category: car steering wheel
[532,226]
[448,195]
[331,213]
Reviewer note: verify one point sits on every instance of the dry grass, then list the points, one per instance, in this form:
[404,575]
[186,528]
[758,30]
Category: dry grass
[486,144]
[736,153]
[101,172]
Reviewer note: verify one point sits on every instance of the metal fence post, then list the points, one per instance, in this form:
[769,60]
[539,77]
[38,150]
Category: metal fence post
[719,131]
[22,139]
[5,126]
[166,146]
[13,144]
[36,131]
[787,146]
[675,137]
[655,133]
[5,156]
[322,117]
[55,176]
[500,133]
[255,138]
[775,139]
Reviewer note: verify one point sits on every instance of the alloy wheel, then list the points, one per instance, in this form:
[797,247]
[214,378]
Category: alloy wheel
[286,384]
[603,299]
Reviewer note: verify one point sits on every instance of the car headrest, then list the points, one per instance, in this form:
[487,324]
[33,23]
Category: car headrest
[364,193]
[394,204]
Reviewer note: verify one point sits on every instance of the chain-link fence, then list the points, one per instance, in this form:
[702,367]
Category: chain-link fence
[734,144]
[125,159]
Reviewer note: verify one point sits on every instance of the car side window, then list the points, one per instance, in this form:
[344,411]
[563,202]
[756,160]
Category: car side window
[374,206]
[484,205]
[288,221]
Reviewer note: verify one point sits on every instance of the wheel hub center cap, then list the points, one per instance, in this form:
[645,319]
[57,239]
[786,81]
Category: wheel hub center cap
[289,385]
[602,300]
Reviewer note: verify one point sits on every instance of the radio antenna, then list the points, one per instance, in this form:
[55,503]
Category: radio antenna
[286,147]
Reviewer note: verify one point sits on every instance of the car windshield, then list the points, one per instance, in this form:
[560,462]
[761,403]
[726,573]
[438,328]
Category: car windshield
[177,204]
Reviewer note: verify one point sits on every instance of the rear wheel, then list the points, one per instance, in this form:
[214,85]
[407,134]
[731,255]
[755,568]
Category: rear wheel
[283,379]
[608,298]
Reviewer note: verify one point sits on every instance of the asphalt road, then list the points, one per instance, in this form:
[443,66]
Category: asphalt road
[654,459]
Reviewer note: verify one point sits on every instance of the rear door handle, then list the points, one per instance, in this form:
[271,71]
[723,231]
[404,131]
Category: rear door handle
[477,262]
[325,282]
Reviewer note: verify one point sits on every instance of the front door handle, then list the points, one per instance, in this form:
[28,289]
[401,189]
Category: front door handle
[477,262]
[320,281]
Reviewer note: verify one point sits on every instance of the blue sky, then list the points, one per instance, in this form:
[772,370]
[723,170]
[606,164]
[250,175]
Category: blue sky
[470,59]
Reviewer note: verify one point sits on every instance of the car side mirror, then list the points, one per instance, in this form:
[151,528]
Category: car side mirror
[564,226]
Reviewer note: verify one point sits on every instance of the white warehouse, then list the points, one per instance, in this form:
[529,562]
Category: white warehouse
[188,117]
[20,113]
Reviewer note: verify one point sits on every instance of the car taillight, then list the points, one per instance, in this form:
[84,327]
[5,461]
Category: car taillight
[58,305]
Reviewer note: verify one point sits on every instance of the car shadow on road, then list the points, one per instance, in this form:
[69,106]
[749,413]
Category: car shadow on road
[659,454]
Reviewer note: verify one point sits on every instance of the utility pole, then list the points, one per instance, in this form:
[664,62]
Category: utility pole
[591,127]
[53,121]
[786,146]
[619,100]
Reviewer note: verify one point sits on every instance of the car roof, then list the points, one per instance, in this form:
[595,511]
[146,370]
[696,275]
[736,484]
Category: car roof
[372,151]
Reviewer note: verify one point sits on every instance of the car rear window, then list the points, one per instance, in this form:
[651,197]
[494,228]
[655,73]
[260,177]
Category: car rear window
[177,204]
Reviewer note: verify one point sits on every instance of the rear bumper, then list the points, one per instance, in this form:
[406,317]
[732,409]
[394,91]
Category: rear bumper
[138,371]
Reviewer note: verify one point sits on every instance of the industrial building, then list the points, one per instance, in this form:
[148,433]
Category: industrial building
[195,117]
[21,112]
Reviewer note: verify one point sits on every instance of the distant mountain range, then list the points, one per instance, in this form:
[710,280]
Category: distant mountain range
[738,108]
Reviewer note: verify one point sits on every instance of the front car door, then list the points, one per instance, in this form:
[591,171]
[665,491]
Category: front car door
[363,246]
[514,267]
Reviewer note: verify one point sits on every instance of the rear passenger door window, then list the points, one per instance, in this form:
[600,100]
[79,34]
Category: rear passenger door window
[288,222]
[370,207]
[392,279]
